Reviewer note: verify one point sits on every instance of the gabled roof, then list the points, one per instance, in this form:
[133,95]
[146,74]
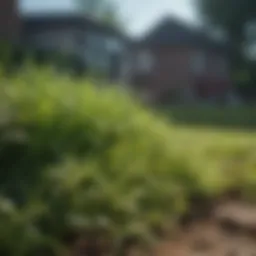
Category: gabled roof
[41,22]
[172,31]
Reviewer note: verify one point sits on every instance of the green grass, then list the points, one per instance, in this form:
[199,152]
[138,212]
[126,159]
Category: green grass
[224,158]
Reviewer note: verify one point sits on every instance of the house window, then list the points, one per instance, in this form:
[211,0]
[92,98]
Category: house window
[198,63]
[145,61]
[96,53]
[113,45]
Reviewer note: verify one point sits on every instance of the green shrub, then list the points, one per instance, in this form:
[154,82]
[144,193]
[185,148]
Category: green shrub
[74,154]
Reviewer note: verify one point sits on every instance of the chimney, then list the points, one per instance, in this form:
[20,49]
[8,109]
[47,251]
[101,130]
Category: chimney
[9,21]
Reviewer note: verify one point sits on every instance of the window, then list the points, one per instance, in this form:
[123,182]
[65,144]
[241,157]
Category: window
[96,53]
[198,62]
[113,45]
[145,61]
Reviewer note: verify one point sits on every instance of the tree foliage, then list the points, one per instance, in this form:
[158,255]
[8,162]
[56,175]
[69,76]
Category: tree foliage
[232,16]
[104,10]
[237,19]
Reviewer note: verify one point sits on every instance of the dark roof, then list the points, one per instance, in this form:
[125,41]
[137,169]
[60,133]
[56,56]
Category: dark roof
[41,22]
[172,31]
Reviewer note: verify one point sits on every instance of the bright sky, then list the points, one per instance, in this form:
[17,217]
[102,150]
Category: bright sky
[138,14]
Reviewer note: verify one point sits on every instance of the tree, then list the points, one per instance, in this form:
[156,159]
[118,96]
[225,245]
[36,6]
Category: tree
[233,17]
[237,19]
[104,10]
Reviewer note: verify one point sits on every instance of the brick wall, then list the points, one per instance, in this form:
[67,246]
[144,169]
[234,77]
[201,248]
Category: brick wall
[9,20]
[171,74]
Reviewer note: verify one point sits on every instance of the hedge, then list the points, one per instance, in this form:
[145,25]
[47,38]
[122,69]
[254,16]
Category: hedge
[77,153]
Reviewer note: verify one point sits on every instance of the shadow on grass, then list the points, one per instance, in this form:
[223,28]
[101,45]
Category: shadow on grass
[219,117]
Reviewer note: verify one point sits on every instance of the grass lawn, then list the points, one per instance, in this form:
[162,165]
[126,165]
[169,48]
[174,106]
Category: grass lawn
[223,157]
[205,136]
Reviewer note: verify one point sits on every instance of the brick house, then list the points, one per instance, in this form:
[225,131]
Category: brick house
[173,62]
[98,46]
[177,63]
[93,45]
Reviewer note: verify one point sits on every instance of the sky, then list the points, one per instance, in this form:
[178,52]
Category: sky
[138,15]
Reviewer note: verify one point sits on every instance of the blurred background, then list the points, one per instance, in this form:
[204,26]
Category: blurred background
[127,127]
[168,51]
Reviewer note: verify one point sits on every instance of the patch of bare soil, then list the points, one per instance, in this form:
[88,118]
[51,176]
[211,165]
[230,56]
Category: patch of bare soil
[229,231]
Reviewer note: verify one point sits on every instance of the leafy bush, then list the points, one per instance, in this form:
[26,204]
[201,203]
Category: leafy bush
[73,154]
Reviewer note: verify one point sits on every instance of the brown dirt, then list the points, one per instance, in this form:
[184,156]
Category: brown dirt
[229,231]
